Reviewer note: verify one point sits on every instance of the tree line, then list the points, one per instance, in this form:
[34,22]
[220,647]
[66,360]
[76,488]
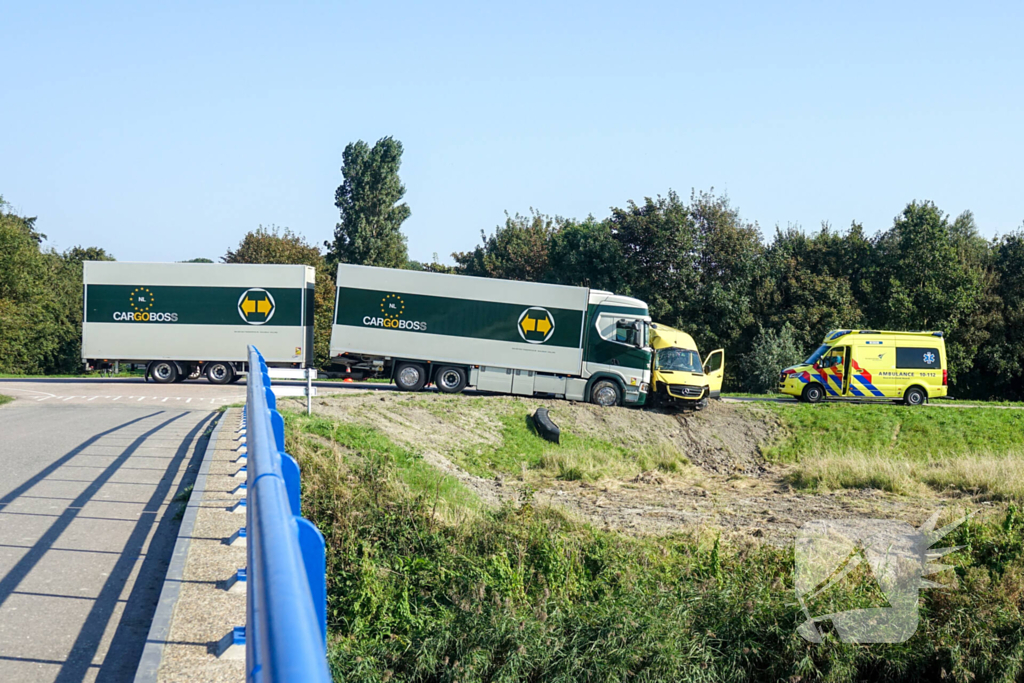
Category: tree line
[698,264]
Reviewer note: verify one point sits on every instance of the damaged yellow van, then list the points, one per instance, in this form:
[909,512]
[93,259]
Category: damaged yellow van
[678,378]
[871,365]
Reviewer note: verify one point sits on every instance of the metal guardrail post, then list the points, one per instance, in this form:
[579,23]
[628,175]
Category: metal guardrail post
[286,598]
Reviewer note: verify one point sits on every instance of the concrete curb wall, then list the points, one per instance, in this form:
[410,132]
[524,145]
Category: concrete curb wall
[152,654]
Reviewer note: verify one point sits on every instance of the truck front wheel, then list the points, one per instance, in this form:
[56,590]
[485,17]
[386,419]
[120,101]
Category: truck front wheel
[450,380]
[220,373]
[163,372]
[410,377]
[605,393]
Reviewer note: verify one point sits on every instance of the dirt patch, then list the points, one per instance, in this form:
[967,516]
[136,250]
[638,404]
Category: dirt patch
[730,486]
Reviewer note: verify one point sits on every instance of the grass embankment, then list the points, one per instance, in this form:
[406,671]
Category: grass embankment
[425,584]
[904,450]
[5,399]
[519,450]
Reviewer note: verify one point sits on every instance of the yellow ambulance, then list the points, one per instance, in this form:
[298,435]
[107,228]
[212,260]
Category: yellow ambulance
[871,365]
[678,378]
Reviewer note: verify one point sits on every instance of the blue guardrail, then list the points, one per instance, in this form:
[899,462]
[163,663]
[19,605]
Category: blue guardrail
[286,585]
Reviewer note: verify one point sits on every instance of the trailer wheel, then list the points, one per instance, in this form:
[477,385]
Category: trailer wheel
[220,373]
[163,372]
[606,393]
[813,393]
[449,379]
[410,376]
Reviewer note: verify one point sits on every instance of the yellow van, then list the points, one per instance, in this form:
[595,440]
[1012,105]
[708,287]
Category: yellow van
[871,365]
[678,378]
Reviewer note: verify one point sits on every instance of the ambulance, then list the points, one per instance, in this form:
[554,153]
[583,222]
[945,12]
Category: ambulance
[871,365]
[678,377]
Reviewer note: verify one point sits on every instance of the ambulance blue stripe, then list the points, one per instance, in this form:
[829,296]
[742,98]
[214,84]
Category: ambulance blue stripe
[827,385]
[869,386]
[855,390]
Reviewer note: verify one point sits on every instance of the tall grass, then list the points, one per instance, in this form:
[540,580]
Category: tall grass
[5,399]
[524,593]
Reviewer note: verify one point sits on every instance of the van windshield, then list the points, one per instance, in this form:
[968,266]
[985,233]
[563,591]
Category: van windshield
[817,354]
[680,360]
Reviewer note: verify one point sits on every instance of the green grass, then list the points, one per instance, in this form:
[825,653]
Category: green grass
[920,433]
[5,399]
[520,451]
[370,447]
[80,375]
[524,593]
[914,451]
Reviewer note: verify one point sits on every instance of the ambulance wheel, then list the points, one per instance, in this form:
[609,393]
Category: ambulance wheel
[914,396]
[813,393]
[605,393]
[450,380]
[220,373]
[163,372]
[410,376]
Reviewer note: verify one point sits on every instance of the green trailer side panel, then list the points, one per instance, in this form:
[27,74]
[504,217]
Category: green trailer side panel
[437,315]
[170,305]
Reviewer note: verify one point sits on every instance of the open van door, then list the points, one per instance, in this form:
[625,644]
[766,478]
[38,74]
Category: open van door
[714,369]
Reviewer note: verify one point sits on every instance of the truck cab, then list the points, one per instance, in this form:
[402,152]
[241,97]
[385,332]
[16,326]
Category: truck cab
[678,377]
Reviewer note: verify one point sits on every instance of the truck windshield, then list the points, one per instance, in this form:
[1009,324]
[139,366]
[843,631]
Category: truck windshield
[817,354]
[682,360]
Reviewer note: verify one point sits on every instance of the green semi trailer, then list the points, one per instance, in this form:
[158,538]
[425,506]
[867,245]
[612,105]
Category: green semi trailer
[526,338]
[185,320]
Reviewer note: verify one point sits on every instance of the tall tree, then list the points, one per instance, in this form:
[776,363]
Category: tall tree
[586,253]
[728,255]
[517,250]
[804,284]
[370,231]
[658,247]
[927,276]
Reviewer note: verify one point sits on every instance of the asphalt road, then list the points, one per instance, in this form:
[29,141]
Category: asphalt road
[85,533]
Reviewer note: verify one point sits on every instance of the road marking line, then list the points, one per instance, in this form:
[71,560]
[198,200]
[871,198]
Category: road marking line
[188,400]
[44,398]
[115,398]
[165,398]
[141,397]
[94,398]
[68,398]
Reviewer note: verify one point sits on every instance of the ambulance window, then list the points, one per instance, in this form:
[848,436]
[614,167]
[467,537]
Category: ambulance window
[817,354]
[914,358]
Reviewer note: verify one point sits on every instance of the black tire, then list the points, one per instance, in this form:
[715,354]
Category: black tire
[220,373]
[606,393]
[813,393]
[914,396]
[163,371]
[410,376]
[450,379]
[235,378]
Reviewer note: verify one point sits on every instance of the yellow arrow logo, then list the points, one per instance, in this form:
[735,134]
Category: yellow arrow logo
[536,325]
[256,301]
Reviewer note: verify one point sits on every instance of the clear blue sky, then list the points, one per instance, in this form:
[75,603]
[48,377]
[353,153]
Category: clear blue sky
[167,133]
